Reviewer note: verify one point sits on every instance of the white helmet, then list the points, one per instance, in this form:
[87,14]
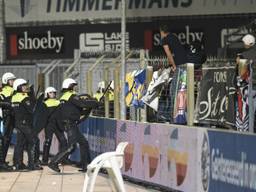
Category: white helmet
[7,76]
[18,82]
[101,85]
[67,82]
[112,85]
[249,40]
[49,90]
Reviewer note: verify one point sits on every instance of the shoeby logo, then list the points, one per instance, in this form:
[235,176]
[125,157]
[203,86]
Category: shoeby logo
[26,43]
[152,39]
[108,41]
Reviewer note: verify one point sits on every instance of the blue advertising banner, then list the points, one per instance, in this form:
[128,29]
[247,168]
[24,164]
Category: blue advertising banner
[177,157]
[101,135]
[232,162]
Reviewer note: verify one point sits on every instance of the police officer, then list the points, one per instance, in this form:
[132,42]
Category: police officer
[3,105]
[72,107]
[8,118]
[51,104]
[99,92]
[23,105]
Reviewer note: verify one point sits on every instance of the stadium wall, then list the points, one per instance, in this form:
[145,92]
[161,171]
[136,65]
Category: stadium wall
[177,157]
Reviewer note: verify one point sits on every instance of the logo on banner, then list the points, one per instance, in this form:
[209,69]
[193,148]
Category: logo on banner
[233,165]
[129,150]
[205,163]
[152,39]
[151,151]
[108,41]
[180,158]
[43,43]
[216,102]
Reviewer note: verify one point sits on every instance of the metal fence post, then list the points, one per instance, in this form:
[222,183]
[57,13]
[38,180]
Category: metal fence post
[142,112]
[89,82]
[106,98]
[117,92]
[190,94]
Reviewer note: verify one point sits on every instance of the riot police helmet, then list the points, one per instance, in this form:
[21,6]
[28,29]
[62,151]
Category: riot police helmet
[49,90]
[7,76]
[18,83]
[68,84]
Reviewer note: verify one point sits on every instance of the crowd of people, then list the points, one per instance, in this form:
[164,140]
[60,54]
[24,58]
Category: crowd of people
[22,109]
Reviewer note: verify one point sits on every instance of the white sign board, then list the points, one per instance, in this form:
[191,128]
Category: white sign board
[59,10]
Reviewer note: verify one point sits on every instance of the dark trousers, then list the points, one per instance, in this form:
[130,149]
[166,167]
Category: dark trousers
[74,136]
[51,129]
[2,159]
[9,126]
[25,134]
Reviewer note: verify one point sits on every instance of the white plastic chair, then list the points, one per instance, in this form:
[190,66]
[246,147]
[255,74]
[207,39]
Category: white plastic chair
[112,162]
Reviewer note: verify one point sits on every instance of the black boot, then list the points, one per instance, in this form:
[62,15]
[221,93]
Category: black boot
[19,167]
[32,161]
[3,165]
[37,152]
[82,166]
[83,169]
[54,167]
[46,151]
[35,167]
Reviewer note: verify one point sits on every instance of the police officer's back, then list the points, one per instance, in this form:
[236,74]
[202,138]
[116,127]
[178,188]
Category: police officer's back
[23,106]
[72,107]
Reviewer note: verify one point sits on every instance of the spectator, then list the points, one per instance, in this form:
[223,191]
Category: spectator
[249,45]
[174,50]
[243,76]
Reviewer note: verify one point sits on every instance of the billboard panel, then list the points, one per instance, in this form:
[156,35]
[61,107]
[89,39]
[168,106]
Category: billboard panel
[159,154]
[59,41]
[217,96]
[59,10]
[227,162]
[180,158]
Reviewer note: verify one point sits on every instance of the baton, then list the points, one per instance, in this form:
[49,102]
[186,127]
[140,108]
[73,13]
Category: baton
[105,91]
[37,91]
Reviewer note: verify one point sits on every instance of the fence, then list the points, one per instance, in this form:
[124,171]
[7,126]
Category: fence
[91,68]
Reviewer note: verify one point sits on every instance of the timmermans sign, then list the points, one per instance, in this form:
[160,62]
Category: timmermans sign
[52,10]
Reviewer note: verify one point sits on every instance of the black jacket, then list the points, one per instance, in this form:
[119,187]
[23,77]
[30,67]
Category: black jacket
[72,106]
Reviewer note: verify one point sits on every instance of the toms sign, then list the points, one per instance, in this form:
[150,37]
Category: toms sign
[42,43]
[108,41]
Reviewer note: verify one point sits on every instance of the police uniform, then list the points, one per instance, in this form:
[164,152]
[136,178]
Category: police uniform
[4,105]
[71,109]
[23,112]
[8,118]
[51,127]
